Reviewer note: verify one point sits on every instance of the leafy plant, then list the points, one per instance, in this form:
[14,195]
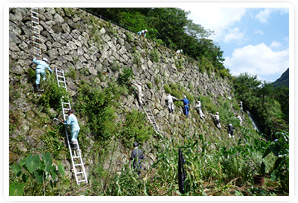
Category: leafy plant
[52,95]
[154,55]
[34,175]
[136,58]
[136,128]
[280,149]
[126,77]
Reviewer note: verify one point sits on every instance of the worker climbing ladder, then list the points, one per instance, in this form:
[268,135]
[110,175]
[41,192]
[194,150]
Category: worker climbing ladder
[75,154]
[151,118]
[36,42]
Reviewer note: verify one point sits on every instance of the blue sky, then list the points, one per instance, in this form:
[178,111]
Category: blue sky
[254,40]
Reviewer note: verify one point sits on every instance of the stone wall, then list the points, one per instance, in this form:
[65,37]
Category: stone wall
[75,40]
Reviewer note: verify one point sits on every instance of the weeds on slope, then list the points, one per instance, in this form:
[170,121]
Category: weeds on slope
[221,171]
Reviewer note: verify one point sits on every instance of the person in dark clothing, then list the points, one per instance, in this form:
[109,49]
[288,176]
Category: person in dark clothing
[230,130]
[137,157]
[181,173]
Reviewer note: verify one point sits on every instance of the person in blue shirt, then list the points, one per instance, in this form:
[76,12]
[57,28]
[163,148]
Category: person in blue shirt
[143,33]
[186,106]
[40,70]
[72,122]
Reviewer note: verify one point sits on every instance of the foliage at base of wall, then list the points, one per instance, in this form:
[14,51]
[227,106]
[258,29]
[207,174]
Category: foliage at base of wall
[35,175]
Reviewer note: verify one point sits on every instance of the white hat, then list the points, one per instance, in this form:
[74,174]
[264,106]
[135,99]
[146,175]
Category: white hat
[217,113]
[145,30]
[45,59]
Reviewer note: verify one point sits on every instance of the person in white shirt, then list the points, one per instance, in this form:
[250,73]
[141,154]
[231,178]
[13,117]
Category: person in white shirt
[217,120]
[199,109]
[170,99]
[239,118]
[140,94]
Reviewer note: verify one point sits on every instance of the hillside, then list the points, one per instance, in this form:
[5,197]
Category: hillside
[283,80]
[101,61]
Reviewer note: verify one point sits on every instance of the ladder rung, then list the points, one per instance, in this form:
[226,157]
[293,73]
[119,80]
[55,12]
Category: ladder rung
[36,42]
[80,173]
[82,181]
[78,164]
[35,37]
[76,157]
[34,17]
[35,12]
[35,27]
[36,22]
[36,32]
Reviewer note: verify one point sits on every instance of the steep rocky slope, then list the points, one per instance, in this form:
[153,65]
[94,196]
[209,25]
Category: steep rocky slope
[96,52]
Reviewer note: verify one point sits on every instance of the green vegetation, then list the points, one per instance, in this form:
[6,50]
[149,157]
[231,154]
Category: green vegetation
[215,164]
[136,58]
[126,77]
[34,176]
[154,55]
[179,65]
[261,99]
[228,170]
[97,106]
[52,95]
[136,128]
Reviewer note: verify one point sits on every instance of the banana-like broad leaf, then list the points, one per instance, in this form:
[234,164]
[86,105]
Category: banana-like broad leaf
[61,169]
[277,162]
[53,172]
[32,163]
[268,150]
[17,169]
[38,176]
[47,161]
[22,162]
[16,189]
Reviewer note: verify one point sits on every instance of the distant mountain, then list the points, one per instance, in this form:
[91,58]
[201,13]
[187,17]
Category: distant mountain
[283,80]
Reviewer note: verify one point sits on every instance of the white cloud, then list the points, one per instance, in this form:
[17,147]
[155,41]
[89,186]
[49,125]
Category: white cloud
[275,44]
[217,19]
[264,15]
[260,32]
[257,60]
[233,35]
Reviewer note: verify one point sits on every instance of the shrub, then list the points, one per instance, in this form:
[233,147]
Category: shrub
[72,73]
[136,128]
[126,77]
[52,95]
[208,104]
[97,106]
[128,36]
[136,58]
[167,88]
[149,85]
[154,55]
[179,65]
